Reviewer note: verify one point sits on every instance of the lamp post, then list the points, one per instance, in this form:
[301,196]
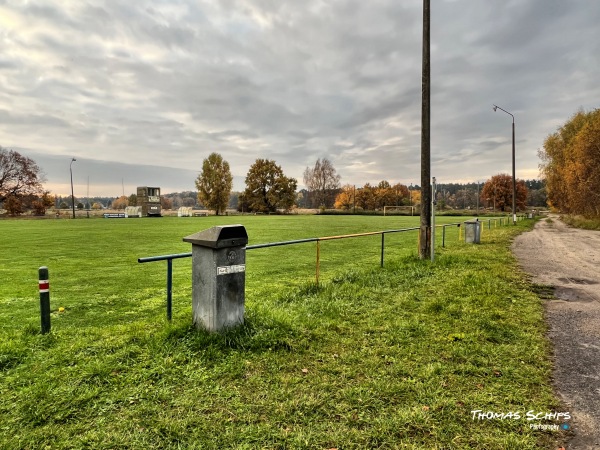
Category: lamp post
[514,181]
[477,197]
[72,196]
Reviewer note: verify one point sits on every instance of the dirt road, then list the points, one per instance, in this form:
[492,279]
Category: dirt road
[568,260]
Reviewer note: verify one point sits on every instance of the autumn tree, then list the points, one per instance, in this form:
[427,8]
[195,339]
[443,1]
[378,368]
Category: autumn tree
[19,176]
[384,195]
[120,203]
[214,183]
[166,203]
[132,200]
[571,165]
[415,197]
[13,205]
[498,191]
[323,183]
[243,205]
[267,188]
[388,195]
[366,198]
[345,199]
[402,193]
[42,203]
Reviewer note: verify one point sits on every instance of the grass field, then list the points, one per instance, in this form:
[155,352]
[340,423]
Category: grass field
[372,358]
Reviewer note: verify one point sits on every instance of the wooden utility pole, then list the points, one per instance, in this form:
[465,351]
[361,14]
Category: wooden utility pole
[425,227]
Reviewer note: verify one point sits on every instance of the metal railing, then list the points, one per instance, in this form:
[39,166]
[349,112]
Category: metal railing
[170,258]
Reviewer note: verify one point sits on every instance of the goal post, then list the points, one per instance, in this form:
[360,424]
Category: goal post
[405,209]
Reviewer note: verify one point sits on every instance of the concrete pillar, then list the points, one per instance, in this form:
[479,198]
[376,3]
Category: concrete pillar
[218,276]
[473,232]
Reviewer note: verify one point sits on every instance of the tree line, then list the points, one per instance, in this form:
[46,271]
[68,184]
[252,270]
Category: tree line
[269,190]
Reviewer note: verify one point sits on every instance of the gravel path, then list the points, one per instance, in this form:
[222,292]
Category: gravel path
[568,259]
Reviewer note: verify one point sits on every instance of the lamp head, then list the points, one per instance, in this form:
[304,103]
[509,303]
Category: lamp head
[495,108]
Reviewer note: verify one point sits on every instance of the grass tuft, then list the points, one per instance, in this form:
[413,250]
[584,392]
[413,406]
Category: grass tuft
[582,222]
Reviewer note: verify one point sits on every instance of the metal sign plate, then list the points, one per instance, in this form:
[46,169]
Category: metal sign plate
[226,270]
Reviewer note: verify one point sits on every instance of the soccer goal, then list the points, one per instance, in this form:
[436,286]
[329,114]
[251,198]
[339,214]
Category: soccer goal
[404,210]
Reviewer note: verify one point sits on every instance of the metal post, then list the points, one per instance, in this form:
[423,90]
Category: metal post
[44,286]
[514,180]
[382,246]
[169,288]
[318,261]
[444,236]
[72,195]
[433,203]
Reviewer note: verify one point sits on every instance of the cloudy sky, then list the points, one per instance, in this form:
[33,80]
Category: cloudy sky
[140,92]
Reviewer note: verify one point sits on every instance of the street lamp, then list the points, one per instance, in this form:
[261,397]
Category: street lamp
[514,181]
[72,196]
[477,197]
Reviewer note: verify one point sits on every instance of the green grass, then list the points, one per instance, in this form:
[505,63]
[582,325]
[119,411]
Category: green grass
[371,358]
[582,222]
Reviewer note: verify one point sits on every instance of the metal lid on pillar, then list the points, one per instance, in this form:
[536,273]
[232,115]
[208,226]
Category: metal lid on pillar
[222,236]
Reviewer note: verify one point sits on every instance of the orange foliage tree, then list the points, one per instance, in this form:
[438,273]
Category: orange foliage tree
[415,196]
[571,165]
[373,197]
[366,198]
[345,199]
[497,192]
[120,203]
[42,203]
[13,205]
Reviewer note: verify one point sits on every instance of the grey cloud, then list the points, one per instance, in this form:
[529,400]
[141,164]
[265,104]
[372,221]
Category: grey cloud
[14,118]
[168,82]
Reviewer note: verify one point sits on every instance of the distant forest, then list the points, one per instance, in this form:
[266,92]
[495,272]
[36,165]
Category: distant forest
[465,195]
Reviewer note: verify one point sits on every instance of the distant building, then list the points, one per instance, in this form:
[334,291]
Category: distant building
[149,199]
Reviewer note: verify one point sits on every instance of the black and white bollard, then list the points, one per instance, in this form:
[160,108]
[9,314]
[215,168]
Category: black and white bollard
[44,285]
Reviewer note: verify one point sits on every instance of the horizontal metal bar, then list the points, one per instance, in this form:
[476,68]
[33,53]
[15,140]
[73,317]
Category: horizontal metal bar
[276,244]
[370,233]
[164,257]
[342,236]
[401,230]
